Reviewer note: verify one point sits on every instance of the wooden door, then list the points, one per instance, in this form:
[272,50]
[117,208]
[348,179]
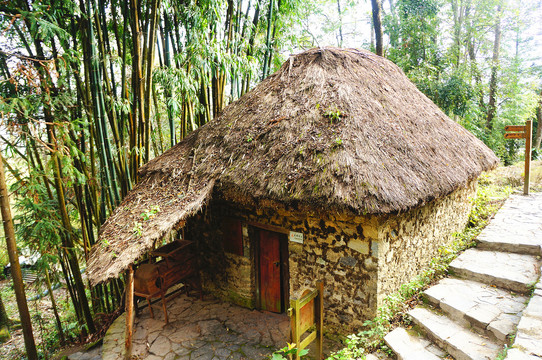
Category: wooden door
[270,271]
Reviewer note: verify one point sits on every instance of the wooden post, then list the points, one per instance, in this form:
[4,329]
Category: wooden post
[319,317]
[296,322]
[528,138]
[129,313]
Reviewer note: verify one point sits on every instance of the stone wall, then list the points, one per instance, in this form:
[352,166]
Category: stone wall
[337,250]
[410,240]
[361,259]
[225,275]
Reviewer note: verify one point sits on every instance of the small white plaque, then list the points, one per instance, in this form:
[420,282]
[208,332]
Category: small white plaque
[296,237]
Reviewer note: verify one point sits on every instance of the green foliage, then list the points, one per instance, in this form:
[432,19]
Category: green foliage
[453,67]
[415,30]
[138,228]
[502,354]
[333,113]
[288,353]
[453,94]
[149,214]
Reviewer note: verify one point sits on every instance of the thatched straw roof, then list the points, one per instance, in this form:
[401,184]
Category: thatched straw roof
[335,129]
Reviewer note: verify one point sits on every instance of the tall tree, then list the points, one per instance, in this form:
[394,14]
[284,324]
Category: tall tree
[491,106]
[340,23]
[538,134]
[16,274]
[377,23]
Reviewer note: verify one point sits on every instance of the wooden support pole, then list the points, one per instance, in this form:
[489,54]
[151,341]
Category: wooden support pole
[528,138]
[319,317]
[129,313]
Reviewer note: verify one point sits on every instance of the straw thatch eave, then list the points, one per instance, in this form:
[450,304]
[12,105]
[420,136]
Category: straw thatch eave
[333,128]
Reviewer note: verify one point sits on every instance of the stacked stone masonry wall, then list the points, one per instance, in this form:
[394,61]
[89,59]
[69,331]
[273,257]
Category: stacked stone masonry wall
[361,259]
[410,240]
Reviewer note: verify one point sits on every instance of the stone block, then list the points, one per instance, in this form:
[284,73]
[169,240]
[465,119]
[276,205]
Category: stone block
[482,315]
[332,256]
[408,346]
[321,261]
[374,248]
[359,245]
[348,261]
[501,328]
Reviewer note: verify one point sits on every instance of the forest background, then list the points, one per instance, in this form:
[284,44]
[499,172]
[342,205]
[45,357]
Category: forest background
[90,90]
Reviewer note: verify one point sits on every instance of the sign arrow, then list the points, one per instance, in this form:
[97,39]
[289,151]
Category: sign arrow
[514,136]
[514,128]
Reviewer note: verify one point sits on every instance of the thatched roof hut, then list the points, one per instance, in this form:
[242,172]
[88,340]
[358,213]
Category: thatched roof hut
[334,129]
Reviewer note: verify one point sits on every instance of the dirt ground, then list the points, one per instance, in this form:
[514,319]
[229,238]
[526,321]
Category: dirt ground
[41,313]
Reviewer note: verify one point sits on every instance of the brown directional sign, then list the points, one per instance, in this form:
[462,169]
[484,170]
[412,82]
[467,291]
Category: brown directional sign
[514,128]
[514,135]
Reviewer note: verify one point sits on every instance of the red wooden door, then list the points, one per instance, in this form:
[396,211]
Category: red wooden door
[270,285]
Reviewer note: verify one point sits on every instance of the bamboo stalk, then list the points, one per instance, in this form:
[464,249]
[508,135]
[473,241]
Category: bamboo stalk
[148,88]
[16,275]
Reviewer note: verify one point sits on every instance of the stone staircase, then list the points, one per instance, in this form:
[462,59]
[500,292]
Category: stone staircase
[474,313]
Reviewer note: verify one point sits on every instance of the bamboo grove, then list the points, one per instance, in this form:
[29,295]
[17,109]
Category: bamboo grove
[93,89]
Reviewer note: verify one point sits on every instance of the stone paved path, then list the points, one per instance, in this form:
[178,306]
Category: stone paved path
[474,314]
[203,330]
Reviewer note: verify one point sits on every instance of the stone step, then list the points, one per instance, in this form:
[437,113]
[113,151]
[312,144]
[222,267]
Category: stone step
[516,227]
[459,342]
[517,354]
[528,340]
[492,311]
[522,238]
[411,346]
[516,272]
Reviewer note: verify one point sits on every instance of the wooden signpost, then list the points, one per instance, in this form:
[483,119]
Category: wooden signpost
[305,313]
[523,132]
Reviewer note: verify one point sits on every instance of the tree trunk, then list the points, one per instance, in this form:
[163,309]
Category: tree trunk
[55,311]
[458,10]
[4,323]
[538,136]
[377,26]
[18,285]
[491,107]
[340,23]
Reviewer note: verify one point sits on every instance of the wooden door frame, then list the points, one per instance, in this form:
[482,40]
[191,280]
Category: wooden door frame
[255,229]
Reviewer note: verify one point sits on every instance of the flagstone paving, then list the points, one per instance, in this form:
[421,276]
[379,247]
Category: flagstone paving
[204,330]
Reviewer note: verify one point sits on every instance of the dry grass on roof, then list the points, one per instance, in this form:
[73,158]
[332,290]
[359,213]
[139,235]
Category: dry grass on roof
[338,129]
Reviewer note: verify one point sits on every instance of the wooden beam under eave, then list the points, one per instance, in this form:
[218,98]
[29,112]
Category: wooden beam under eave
[129,313]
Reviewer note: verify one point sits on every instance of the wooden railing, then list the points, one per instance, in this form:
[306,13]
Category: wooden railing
[305,313]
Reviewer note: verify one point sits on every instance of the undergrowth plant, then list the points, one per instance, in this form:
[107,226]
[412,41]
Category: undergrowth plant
[488,200]
[288,353]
